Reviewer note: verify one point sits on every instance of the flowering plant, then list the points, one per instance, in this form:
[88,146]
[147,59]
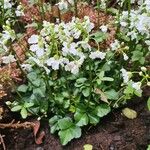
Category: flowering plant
[72,80]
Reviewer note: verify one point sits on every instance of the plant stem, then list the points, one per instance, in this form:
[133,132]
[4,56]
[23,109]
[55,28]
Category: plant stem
[76,8]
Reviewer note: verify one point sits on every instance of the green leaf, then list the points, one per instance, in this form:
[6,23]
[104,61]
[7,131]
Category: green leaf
[16,108]
[148,104]
[137,55]
[54,128]
[99,36]
[88,147]
[103,110]
[32,76]
[112,94]
[68,134]
[138,93]
[148,148]
[65,123]
[101,74]
[24,113]
[27,105]
[94,119]
[81,80]
[107,79]
[129,113]
[86,92]
[81,118]
[39,91]
[36,82]
[22,88]
[128,90]
[53,122]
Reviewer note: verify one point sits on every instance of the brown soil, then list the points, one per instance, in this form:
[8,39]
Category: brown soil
[115,132]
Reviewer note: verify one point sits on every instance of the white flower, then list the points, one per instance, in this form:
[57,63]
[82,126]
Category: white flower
[19,11]
[136,85]
[115,45]
[7,4]
[33,39]
[26,67]
[147,42]
[63,5]
[71,2]
[143,68]
[38,50]
[8,59]
[73,67]
[125,56]
[97,54]
[54,63]
[125,75]
[88,25]
[103,28]
[69,48]
[123,23]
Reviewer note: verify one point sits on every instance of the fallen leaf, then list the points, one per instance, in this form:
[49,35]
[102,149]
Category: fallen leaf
[102,94]
[129,113]
[88,147]
[39,138]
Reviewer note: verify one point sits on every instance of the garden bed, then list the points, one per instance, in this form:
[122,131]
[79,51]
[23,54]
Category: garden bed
[75,75]
[114,132]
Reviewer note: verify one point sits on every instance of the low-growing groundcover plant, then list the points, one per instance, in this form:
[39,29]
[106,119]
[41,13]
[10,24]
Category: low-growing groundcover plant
[73,82]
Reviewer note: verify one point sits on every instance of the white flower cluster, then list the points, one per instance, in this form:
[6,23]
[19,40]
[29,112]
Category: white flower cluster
[63,45]
[19,11]
[6,4]
[6,35]
[64,4]
[126,75]
[8,59]
[138,21]
[116,45]
[103,4]
[127,80]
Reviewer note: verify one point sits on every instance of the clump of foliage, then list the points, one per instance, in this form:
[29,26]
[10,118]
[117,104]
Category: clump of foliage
[75,83]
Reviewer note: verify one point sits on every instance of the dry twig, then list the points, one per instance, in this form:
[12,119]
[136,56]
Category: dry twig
[17,125]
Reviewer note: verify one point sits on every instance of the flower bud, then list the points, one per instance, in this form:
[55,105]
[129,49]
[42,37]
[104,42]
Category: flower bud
[143,69]
[140,73]
[148,83]
[8,103]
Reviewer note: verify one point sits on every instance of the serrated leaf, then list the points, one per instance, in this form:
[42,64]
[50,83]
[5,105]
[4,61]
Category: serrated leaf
[103,110]
[16,108]
[24,113]
[88,147]
[68,134]
[129,113]
[22,88]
